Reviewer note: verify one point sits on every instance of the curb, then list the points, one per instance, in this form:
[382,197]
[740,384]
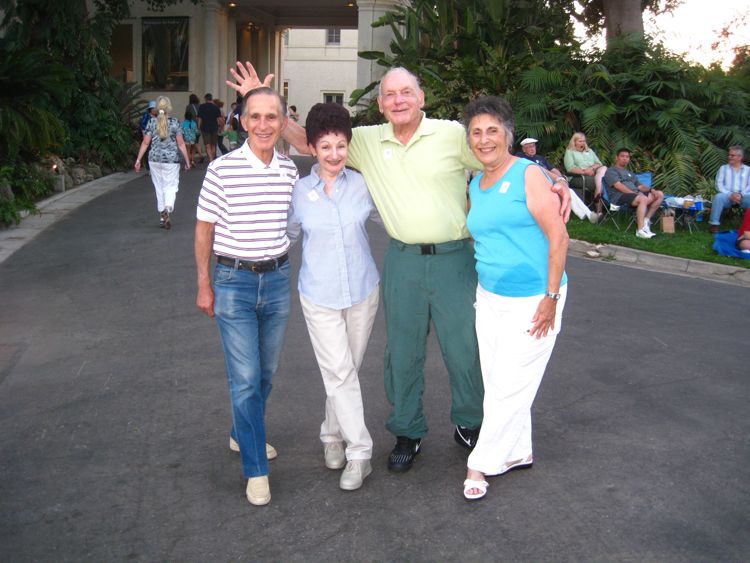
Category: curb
[55,208]
[660,262]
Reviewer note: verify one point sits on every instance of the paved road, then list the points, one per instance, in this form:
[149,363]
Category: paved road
[114,421]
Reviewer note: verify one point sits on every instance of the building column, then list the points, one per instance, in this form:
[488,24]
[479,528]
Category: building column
[213,66]
[371,38]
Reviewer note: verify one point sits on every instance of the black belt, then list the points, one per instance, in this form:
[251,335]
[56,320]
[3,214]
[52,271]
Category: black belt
[430,249]
[259,267]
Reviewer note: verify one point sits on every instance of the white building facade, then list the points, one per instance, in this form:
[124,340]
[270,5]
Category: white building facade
[188,48]
[318,65]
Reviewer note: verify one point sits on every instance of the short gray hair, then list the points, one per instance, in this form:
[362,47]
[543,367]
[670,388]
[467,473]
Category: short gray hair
[738,149]
[268,91]
[394,70]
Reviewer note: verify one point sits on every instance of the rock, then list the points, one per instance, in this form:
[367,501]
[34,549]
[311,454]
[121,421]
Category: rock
[68,180]
[93,170]
[78,173]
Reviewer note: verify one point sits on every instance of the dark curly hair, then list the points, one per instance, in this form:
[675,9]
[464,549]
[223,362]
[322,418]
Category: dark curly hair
[327,118]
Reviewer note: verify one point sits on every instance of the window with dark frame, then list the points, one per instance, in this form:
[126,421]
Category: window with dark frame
[165,54]
[333,36]
[333,97]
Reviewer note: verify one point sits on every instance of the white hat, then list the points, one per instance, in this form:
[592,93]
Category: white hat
[528,140]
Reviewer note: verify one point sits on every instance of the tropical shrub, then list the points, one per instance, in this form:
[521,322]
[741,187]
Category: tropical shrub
[68,34]
[30,87]
[461,48]
[28,184]
[677,118]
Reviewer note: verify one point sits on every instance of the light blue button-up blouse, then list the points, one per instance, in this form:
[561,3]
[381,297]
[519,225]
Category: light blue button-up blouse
[337,270]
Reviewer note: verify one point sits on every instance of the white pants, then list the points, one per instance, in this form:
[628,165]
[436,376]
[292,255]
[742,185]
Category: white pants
[578,207]
[513,363]
[166,179]
[339,339]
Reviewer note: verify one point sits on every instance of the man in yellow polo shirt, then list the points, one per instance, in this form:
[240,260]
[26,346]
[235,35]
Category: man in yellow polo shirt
[415,171]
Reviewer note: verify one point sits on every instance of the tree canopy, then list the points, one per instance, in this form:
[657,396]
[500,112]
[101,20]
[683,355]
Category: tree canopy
[678,118]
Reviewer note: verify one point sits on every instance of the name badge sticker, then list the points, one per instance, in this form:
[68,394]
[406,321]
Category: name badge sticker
[504,187]
[313,196]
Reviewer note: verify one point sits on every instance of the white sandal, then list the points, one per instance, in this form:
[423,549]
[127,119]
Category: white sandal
[472,484]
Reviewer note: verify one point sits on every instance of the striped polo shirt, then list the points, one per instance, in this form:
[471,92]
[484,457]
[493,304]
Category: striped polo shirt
[248,202]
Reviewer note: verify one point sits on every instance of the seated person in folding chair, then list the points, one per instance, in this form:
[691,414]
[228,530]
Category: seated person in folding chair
[732,187]
[528,151]
[623,188]
[584,166]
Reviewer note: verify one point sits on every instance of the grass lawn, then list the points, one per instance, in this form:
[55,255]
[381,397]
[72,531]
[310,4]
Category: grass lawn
[695,246]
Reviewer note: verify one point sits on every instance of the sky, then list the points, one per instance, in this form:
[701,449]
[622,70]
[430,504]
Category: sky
[695,25]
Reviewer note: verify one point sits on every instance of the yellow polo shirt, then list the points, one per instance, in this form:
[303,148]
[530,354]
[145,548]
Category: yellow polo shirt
[419,189]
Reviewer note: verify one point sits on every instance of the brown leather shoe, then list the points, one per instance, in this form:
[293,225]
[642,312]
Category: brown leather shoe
[713,229]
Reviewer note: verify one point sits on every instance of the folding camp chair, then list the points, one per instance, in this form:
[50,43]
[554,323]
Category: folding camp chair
[612,211]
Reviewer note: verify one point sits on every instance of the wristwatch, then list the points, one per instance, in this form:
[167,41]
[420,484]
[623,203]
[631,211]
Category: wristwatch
[553,296]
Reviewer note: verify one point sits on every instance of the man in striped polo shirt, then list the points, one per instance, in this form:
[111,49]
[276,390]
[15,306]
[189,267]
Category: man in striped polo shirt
[242,215]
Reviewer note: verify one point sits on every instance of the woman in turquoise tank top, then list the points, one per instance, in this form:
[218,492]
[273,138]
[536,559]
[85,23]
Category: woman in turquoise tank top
[520,248]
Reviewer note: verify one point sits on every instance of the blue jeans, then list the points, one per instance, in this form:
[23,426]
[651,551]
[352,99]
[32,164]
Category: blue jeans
[251,313]
[720,201]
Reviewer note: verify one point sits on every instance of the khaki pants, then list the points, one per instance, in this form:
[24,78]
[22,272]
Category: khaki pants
[339,339]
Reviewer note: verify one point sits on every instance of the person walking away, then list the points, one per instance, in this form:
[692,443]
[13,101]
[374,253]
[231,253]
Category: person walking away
[222,127]
[190,135]
[208,124]
[164,137]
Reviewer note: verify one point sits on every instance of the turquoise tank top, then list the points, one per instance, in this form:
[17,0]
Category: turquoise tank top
[510,248]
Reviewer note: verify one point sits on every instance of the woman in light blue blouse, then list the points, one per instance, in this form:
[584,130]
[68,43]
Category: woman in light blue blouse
[520,247]
[338,285]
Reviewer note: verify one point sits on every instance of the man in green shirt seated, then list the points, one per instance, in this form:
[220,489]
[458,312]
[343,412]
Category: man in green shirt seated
[415,168]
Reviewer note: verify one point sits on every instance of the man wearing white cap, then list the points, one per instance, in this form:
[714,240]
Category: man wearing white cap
[528,151]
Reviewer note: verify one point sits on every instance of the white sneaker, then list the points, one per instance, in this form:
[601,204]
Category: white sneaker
[354,474]
[647,227]
[257,491]
[594,217]
[643,233]
[333,452]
